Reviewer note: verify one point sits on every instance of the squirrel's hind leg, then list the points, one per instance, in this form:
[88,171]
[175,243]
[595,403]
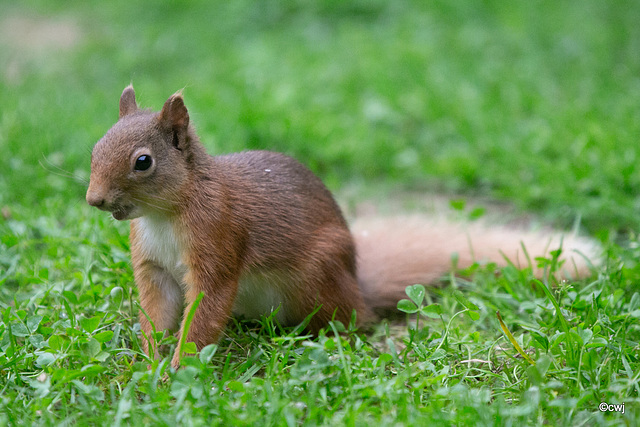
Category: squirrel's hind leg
[330,281]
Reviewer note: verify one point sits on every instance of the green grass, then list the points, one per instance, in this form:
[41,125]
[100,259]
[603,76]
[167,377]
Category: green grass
[533,103]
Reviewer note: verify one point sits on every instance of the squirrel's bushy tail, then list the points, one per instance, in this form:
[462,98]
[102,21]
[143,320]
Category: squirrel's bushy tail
[396,252]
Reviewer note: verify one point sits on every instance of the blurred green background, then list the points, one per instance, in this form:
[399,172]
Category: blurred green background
[531,102]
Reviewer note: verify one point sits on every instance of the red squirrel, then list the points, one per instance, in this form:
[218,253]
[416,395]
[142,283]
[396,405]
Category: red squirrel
[257,230]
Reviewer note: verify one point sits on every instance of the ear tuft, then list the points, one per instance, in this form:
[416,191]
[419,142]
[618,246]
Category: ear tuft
[128,101]
[174,114]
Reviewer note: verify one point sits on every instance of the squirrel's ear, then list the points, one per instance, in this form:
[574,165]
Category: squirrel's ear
[174,114]
[128,102]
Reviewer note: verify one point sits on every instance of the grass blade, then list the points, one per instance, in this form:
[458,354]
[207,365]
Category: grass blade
[513,340]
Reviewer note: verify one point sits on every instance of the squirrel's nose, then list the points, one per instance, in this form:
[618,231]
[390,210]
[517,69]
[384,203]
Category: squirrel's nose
[95,200]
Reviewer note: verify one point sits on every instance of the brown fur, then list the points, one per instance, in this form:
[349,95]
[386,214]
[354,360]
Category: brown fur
[251,230]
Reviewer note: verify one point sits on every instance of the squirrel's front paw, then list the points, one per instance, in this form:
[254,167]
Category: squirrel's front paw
[175,362]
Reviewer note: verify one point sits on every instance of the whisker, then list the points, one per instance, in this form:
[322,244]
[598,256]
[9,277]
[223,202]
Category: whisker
[49,167]
[77,202]
[145,202]
[160,199]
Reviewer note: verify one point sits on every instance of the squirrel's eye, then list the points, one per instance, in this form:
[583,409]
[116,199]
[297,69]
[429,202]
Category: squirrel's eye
[143,163]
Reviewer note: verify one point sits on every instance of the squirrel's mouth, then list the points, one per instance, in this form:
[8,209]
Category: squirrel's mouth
[121,212]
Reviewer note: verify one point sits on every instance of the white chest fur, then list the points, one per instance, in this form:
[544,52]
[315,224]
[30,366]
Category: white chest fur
[160,243]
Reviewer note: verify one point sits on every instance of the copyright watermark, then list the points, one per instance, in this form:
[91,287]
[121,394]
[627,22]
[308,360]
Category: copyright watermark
[608,407]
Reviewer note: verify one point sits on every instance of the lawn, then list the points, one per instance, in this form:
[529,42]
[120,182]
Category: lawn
[529,105]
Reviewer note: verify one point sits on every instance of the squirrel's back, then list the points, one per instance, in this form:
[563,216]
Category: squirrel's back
[282,203]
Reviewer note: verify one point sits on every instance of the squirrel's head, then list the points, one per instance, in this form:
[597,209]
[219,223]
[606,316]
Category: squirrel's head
[141,163]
